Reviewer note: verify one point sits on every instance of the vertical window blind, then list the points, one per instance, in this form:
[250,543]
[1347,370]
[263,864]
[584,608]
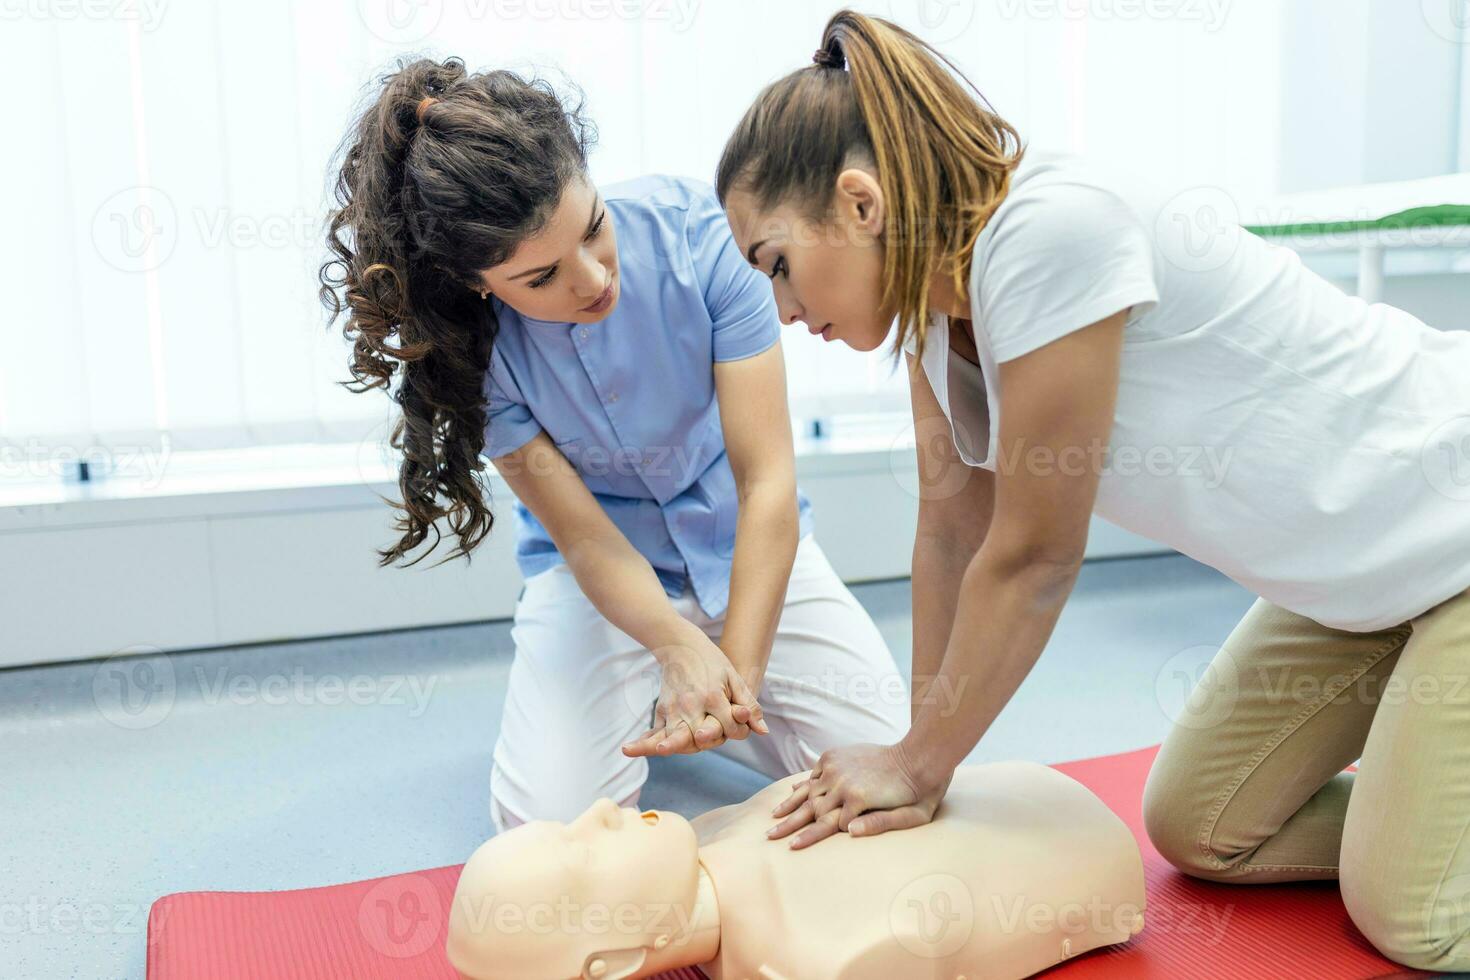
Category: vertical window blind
[168,175]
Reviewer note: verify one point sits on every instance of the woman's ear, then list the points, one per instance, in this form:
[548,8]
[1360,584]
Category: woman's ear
[859,200]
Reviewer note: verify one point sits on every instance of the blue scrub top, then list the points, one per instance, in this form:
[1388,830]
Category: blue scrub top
[630,400]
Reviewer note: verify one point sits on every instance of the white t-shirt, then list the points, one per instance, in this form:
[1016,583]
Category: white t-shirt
[1313,447]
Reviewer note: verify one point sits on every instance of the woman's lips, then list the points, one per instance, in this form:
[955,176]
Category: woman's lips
[603,301]
[825,332]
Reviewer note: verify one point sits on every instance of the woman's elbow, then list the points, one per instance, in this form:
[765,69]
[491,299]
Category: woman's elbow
[773,493]
[1048,570]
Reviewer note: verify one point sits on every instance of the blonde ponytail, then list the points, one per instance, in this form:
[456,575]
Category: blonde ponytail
[944,158]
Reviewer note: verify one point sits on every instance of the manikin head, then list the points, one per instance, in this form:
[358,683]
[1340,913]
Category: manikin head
[592,898]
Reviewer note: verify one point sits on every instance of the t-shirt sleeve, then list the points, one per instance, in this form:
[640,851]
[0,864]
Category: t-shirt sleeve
[509,423]
[1061,257]
[738,298]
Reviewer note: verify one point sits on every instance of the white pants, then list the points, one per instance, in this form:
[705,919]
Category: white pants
[580,688]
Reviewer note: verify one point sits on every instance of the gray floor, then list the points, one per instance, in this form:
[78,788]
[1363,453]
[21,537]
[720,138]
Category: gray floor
[247,769]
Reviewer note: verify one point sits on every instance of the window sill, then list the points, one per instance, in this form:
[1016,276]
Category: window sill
[329,477]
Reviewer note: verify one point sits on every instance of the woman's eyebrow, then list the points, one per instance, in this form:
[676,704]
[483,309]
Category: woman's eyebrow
[591,223]
[592,220]
[750,252]
[522,275]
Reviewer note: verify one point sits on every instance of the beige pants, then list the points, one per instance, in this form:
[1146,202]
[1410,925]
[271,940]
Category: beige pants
[1249,786]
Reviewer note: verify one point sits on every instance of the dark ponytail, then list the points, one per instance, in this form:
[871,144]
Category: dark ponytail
[441,176]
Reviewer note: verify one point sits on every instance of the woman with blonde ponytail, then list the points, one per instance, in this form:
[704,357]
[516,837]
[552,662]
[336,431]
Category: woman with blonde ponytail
[619,363]
[1073,351]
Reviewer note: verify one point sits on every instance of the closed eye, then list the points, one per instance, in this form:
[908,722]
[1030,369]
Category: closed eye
[779,268]
[550,274]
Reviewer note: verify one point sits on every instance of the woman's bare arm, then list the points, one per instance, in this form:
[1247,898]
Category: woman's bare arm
[757,429]
[955,502]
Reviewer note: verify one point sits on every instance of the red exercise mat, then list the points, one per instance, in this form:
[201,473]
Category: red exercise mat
[382,929]
[393,928]
[1200,930]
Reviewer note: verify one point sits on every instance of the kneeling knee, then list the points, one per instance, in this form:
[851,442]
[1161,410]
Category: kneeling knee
[1174,828]
[1433,934]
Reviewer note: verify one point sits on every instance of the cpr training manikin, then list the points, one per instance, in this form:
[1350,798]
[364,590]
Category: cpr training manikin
[1021,868]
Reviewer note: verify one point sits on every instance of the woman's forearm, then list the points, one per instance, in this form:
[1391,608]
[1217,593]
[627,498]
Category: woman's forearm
[624,588]
[766,535]
[1006,611]
[939,565]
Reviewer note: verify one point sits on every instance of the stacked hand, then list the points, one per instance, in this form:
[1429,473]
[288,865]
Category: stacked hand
[861,790]
[702,702]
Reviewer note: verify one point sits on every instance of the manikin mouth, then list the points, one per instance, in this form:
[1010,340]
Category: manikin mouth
[649,817]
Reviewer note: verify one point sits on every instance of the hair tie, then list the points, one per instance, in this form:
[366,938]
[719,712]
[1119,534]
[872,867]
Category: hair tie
[423,104]
[829,58]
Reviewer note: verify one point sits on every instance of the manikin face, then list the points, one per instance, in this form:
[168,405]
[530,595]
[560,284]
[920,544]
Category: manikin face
[568,271]
[826,273]
[546,898]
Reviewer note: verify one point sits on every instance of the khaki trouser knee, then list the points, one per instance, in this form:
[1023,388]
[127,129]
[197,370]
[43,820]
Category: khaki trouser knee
[1249,786]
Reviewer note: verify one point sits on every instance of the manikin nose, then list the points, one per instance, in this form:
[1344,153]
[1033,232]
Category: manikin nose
[602,814]
[608,814]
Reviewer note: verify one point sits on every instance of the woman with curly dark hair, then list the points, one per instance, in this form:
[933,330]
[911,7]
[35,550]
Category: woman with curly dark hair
[619,361]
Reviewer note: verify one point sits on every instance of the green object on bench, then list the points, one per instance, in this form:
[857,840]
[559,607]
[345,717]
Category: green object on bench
[1431,216]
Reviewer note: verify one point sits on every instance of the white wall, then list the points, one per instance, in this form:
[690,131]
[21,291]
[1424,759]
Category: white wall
[1370,92]
[92,578]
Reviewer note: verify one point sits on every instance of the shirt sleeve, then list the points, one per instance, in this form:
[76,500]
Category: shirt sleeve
[509,423]
[1062,257]
[738,298]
